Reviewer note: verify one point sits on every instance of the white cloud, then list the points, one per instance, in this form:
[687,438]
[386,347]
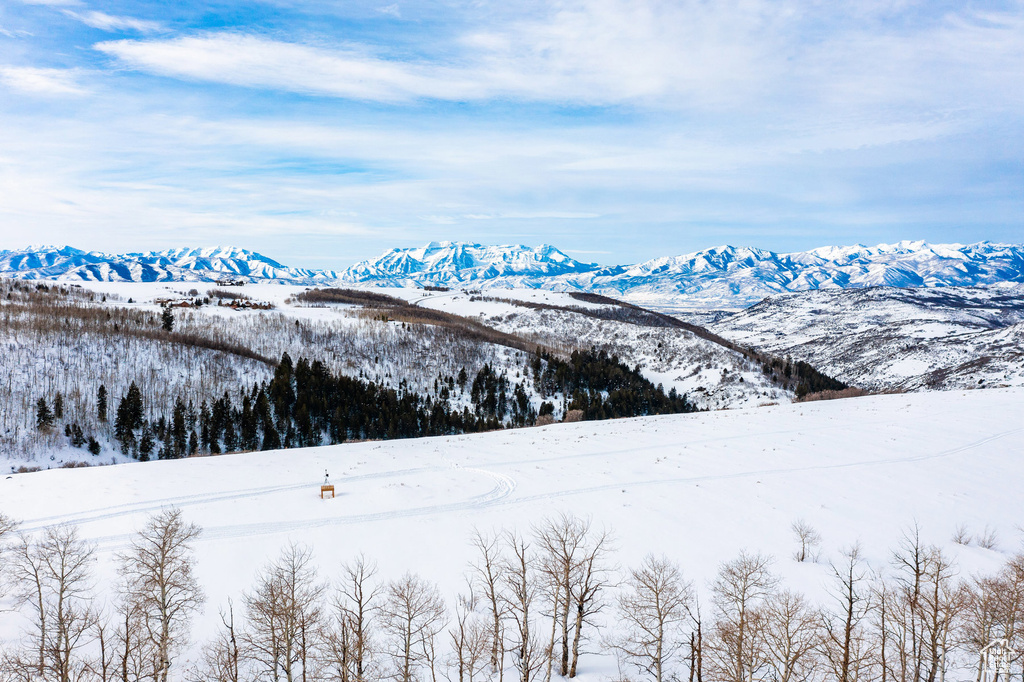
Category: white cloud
[109,22]
[392,10]
[39,81]
[17,33]
[781,62]
[53,3]
[259,62]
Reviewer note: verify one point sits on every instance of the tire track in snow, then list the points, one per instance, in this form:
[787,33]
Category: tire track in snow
[766,472]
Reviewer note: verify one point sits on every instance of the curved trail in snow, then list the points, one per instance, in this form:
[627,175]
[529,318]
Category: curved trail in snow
[114,511]
[503,487]
[501,493]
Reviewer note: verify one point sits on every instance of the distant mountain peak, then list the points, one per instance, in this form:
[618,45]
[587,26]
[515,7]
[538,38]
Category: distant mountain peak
[723,276]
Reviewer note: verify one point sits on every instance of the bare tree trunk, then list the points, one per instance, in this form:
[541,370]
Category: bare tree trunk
[490,576]
[158,573]
[652,609]
[412,615]
[285,616]
[356,603]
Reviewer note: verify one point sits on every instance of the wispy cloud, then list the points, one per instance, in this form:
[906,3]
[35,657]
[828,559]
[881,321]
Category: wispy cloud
[53,3]
[37,81]
[254,61]
[109,22]
[685,56]
[392,10]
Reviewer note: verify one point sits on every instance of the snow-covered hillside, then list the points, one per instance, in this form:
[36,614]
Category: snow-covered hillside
[72,339]
[715,377]
[884,338]
[697,489]
[724,277]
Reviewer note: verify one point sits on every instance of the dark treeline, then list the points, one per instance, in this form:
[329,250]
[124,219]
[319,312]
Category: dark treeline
[305,405]
[603,387]
[807,379]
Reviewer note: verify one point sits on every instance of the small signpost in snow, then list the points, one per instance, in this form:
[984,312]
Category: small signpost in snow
[327,487]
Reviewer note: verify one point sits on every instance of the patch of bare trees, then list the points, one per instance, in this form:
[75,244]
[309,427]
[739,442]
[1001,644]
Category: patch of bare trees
[530,604]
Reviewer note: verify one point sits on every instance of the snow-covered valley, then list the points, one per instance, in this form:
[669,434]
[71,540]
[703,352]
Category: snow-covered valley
[885,338]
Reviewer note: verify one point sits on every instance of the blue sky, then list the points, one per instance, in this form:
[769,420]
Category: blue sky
[617,130]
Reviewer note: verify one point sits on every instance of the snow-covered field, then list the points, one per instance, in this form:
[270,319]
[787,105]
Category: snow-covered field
[699,488]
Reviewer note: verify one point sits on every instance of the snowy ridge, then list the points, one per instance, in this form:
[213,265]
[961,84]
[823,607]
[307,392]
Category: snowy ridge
[172,265]
[725,277]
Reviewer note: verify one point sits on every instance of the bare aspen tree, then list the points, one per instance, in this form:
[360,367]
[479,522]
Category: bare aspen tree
[157,570]
[739,590]
[846,643]
[791,637]
[412,616]
[994,609]
[809,539]
[133,657]
[560,541]
[355,607]
[56,579]
[489,575]
[470,639]
[923,604]
[696,641]
[585,593]
[29,572]
[1011,605]
[522,588]
[102,667]
[285,618]
[942,605]
[222,657]
[653,607]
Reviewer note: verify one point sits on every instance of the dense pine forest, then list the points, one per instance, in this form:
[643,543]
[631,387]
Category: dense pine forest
[305,404]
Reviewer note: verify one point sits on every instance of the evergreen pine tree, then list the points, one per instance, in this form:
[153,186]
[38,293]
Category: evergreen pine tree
[167,446]
[128,419]
[178,432]
[167,319]
[146,444]
[58,406]
[101,403]
[44,418]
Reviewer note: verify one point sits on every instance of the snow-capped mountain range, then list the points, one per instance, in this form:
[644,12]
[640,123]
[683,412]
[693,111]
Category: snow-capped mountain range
[721,277]
[173,265]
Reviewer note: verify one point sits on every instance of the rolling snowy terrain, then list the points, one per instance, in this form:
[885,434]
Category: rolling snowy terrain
[885,338]
[75,338]
[724,277]
[697,488]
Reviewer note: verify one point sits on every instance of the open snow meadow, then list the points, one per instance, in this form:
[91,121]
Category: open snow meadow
[697,488]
